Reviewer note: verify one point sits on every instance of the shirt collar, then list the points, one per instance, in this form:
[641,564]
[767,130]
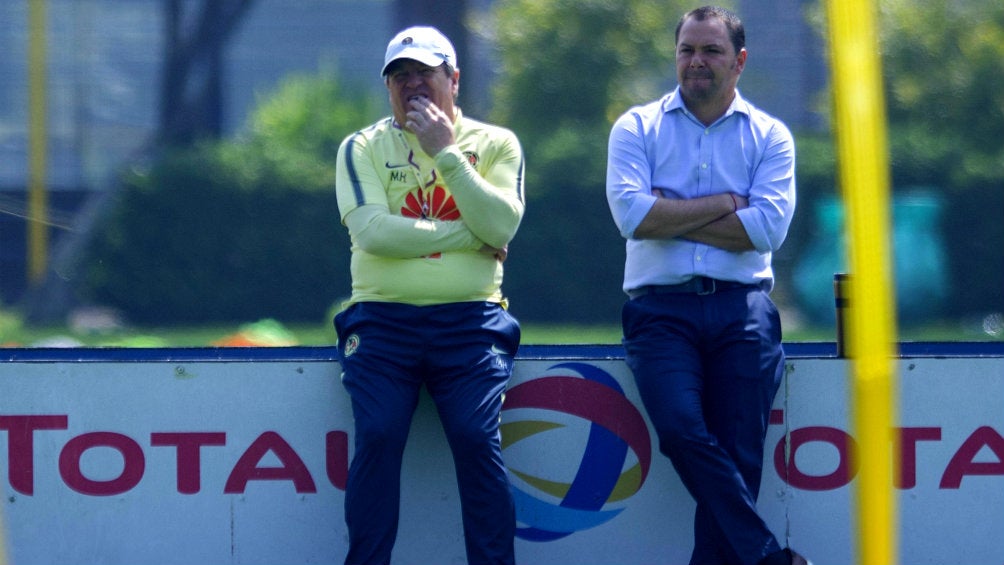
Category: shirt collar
[673,101]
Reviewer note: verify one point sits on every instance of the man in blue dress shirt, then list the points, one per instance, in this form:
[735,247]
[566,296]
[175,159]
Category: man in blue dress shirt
[701,184]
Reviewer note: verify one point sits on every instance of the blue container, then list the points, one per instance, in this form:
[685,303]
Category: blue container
[918,252]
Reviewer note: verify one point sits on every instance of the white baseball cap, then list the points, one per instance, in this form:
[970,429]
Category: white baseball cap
[427,45]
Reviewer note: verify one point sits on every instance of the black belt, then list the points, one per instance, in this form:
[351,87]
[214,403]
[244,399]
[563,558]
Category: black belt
[696,285]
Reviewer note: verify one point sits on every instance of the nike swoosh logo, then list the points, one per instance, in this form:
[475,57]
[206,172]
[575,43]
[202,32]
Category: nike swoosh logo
[496,351]
[389,166]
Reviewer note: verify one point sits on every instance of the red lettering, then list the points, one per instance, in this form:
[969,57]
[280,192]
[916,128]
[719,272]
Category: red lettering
[21,447]
[338,459]
[292,469]
[962,463]
[908,453]
[133,463]
[785,465]
[21,455]
[776,417]
[188,446]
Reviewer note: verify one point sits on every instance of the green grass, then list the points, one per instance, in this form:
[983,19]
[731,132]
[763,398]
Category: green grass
[268,332]
[293,334]
[560,334]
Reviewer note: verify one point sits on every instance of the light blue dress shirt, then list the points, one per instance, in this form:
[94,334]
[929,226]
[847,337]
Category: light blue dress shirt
[662,145]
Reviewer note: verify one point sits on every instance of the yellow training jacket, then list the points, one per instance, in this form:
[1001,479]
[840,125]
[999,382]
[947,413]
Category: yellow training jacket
[418,224]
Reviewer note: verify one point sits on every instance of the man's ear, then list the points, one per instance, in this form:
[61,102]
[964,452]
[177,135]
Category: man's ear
[741,60]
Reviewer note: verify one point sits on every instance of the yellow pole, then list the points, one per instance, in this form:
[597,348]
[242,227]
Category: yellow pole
[864,171]
[38,224]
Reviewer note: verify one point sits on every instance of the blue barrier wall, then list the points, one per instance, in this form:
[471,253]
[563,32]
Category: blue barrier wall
[239,455]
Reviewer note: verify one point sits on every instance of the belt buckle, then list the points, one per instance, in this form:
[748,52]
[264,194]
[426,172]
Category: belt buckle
[707,286]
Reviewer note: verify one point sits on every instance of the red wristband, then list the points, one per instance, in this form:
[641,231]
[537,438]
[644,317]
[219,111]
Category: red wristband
[735,203]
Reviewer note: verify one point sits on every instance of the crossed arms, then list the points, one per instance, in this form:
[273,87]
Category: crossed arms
[711,220]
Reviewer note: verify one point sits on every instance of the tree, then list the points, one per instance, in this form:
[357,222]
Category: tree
[569,68]
[264,215]
[571,62]
[944,63]
[193,84]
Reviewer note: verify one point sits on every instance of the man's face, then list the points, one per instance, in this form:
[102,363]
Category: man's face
[707,65]
[407,79]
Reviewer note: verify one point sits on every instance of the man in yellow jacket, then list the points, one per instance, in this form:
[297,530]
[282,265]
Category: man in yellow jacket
[431,200]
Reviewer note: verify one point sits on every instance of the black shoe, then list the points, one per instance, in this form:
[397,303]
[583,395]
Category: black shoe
[797,559]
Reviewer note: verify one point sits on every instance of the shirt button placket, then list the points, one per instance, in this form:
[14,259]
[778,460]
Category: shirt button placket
[704,172]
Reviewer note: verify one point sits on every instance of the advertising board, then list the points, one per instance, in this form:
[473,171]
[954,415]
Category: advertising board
[205,456]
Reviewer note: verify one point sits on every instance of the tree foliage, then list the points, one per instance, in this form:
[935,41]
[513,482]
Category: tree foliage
[576,61]
[297,128]
[943,68]
[944,63]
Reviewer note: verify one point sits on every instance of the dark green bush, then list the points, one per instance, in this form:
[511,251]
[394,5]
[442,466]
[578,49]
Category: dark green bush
[236,230]
[184,244]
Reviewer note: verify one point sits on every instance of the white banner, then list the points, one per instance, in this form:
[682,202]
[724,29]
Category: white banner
[131,460]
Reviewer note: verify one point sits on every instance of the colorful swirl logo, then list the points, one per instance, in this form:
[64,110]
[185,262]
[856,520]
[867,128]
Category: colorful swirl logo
[576,447]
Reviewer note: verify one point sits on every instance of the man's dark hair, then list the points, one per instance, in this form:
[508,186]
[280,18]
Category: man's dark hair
[737,33]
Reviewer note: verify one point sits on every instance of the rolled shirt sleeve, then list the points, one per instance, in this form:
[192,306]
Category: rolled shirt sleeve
[772,191]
